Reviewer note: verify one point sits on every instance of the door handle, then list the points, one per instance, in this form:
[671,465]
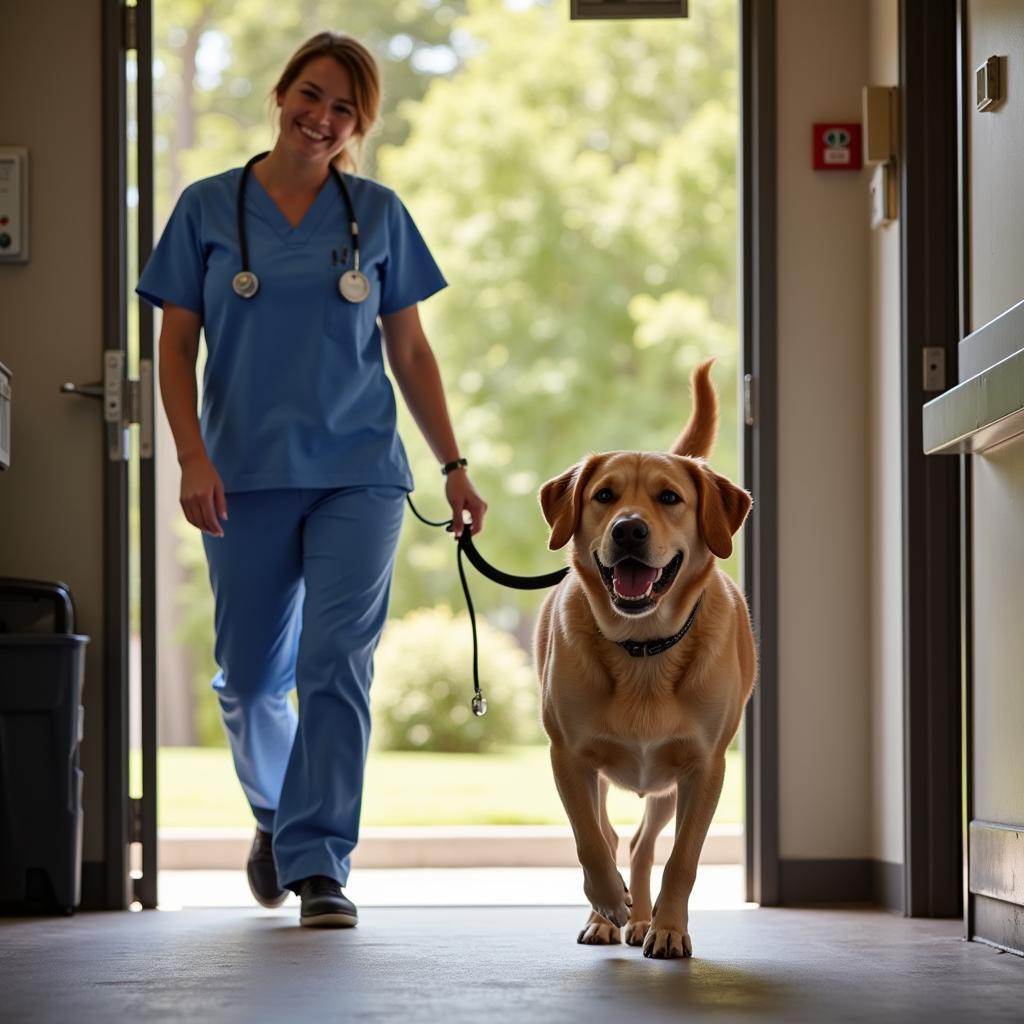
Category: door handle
[85,390]
[125,401]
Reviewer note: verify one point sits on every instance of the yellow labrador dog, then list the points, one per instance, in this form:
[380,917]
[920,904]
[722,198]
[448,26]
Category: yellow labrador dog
[646,660]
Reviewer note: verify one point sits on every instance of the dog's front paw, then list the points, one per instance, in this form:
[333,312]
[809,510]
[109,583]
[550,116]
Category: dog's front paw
[636,931]
[599,931]
[610,898]
[667,943]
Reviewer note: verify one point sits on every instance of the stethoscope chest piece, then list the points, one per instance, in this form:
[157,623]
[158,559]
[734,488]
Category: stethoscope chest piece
[245,284]
[354,285]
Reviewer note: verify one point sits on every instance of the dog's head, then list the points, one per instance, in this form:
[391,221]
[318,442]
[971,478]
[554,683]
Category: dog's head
[644,524]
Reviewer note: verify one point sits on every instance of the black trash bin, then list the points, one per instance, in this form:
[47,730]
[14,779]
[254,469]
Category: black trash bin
[42,666]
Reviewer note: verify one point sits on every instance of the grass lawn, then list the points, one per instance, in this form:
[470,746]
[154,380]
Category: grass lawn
[197,788]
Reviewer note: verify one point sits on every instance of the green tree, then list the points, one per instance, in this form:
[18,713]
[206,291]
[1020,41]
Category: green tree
[577,183]
[217,60]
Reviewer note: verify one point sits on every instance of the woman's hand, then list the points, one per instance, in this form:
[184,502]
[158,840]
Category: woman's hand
[462,496]
[202,495]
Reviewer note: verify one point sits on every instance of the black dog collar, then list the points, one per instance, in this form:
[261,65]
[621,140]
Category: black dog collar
[640,649]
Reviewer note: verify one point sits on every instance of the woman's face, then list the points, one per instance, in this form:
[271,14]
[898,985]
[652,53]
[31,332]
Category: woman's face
[318,111]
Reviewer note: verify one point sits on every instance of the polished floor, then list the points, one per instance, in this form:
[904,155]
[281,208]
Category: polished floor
[430,963]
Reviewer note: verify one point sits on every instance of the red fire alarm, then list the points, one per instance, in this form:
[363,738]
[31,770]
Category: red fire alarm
[836,147]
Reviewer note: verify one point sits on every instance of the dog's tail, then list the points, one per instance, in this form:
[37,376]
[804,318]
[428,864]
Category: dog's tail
[698,436]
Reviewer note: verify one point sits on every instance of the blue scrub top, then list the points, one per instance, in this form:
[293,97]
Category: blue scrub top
[294,391]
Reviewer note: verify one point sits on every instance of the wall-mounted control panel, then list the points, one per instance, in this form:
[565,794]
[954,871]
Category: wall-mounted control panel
[13,204]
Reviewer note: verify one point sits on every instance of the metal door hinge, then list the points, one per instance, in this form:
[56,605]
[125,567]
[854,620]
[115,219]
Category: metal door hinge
[130,28]
[135,820]
[127,400]
[748,399]
[139,394]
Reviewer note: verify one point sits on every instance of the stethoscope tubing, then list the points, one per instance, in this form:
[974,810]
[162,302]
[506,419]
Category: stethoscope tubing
[361,285]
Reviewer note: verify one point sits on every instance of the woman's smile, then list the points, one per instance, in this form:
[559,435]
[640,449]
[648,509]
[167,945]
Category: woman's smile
[312,133]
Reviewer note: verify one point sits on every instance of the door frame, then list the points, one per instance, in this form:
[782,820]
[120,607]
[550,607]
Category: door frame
[759,299]
[108,884]
[935,623]
[966,569]
[930,299]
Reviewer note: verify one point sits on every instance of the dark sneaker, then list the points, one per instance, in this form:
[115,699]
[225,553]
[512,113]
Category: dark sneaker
[262,874]
[324,905]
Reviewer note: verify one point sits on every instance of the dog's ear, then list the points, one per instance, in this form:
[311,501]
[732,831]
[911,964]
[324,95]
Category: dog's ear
[721,509]
[562,501]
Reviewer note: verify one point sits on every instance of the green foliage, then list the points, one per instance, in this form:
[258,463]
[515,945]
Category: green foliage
[577,183]
[423,684]
[195,629]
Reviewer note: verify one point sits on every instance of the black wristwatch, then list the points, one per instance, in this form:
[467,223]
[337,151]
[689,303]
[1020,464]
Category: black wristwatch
[449,466]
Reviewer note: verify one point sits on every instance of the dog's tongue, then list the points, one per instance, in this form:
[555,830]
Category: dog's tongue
[632,578]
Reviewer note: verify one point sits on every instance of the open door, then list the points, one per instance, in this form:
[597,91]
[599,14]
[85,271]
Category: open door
[124,402]
[982,417]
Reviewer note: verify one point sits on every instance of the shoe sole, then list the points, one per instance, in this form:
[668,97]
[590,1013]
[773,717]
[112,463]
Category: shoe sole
[329,921]
[269,904]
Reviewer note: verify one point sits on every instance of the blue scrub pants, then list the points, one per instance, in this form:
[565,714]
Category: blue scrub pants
[301,580]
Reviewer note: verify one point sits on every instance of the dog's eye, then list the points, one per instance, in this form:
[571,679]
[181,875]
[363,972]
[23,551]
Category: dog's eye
[604,495]
[669,498]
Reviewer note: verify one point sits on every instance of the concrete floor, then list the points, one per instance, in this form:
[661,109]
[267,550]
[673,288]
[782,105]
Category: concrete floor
[474,964]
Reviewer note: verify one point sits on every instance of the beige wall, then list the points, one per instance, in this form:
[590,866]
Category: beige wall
[823,326]
[885,495]
[51,497]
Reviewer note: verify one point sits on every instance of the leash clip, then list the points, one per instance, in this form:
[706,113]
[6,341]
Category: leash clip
[479,705]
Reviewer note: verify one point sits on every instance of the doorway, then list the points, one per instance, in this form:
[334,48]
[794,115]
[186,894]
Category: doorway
[577,183]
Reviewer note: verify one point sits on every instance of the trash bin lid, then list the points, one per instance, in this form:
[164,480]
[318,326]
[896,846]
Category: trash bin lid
[43,640]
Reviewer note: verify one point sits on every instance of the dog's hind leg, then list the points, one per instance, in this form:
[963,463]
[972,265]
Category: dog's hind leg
[599,931]
[658,811]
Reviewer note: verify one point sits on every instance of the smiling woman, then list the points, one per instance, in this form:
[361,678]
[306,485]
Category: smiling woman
[302,447]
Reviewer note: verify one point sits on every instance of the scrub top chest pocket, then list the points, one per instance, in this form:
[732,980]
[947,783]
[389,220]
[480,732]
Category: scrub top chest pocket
[344,319]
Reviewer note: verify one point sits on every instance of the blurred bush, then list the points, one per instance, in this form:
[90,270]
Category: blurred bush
[423,684]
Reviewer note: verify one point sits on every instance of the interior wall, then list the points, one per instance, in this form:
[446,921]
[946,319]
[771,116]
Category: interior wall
[824,483]
[51,499]
[885,493]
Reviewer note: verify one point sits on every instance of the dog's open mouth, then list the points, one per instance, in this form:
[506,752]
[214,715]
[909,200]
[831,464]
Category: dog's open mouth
[635,586]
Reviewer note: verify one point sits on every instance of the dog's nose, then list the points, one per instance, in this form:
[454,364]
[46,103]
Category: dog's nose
[629,531]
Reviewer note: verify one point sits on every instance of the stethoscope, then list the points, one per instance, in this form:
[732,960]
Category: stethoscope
[353,285]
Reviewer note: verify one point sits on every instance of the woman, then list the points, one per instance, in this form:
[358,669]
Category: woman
[298,442]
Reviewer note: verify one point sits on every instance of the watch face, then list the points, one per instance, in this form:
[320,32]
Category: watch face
[245,284]
[354,286]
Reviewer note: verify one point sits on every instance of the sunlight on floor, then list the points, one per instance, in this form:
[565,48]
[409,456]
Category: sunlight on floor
[719,887]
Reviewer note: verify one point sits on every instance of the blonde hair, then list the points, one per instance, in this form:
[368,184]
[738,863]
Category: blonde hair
[362,68]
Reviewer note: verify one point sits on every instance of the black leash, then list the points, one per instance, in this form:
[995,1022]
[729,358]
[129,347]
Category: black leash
[486,569]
